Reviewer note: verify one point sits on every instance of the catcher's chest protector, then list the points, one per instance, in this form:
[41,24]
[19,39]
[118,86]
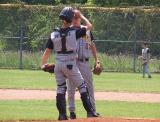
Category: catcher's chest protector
[64,41]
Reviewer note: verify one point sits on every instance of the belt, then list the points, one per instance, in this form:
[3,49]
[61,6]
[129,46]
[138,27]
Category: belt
[84,59]
[66,52]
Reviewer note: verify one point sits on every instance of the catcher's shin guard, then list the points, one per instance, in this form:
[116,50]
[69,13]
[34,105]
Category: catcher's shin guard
[87,105]
[61,106]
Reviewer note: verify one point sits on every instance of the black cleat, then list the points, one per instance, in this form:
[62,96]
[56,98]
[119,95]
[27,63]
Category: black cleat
[72,115]
[98,114]
[62,117]
[149,76]
[92,114]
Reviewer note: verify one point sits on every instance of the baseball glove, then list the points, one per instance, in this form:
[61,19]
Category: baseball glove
[48,68]
[97,70]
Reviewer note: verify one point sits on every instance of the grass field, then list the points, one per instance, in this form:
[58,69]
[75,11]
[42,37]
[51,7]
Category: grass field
[128,82]
[16,110]
[46,109]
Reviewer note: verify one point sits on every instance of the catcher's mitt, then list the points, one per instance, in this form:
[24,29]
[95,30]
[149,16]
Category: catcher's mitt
[97,70]
[48,68]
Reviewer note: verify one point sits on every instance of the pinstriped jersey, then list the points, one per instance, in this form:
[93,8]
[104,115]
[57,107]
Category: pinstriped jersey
[83,48]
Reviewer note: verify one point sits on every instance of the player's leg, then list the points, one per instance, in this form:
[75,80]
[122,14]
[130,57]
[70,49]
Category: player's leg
[71,89]
[61,92]
[143,70]
[75,76]
[88,78]
[147,70]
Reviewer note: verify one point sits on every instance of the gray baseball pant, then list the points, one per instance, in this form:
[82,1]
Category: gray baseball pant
[87,76]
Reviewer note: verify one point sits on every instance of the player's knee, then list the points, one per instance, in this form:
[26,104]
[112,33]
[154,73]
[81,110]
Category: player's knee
[61,88]
[82,88]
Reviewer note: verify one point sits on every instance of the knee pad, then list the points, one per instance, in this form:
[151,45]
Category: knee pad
[82,88]
[61,88]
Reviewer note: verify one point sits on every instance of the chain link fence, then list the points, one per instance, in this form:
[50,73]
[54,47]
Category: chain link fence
[24,31]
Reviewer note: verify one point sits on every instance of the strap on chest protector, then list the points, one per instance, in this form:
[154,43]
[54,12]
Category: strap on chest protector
[63,42]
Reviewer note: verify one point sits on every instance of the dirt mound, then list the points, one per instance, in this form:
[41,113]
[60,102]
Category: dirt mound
[93,120]
[115,120]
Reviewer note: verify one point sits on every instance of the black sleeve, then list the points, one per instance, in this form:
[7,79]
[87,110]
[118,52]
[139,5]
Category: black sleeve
[92,37]
[49,44]
[80,32]
[148,51]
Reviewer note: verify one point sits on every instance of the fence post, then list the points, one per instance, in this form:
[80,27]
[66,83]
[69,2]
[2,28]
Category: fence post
[134,47]
[21,42]
[134,55]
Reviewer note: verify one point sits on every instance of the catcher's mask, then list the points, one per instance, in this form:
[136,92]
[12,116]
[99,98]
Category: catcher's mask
[67,14]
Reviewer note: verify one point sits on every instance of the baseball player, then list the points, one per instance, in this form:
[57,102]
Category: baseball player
[84,52]
[64,41]
[145,59]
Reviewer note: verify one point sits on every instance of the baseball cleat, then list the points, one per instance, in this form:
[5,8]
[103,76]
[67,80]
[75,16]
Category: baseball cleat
[92,114]
[62,117]
[72,115]
[149,76]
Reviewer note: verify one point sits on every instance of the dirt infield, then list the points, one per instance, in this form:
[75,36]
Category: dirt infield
[13,94]
[93,120]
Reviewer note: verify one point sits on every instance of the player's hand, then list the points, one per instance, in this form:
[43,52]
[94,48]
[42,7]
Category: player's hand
[98,64]
[77,14]
[42,67]
[97,68]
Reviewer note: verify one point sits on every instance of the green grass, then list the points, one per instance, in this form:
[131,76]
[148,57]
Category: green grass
[26,79]
[31,109]
[129,82]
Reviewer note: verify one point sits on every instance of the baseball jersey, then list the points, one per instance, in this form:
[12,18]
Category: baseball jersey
[83,48]
[65,50]
[145,53]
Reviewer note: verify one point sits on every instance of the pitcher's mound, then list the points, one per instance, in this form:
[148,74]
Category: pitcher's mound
[93,120]
[113,120]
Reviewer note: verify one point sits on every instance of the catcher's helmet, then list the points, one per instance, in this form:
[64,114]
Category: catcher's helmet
[67,14]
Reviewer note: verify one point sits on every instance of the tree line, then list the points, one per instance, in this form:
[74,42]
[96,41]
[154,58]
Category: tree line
[89,2]
[117,25]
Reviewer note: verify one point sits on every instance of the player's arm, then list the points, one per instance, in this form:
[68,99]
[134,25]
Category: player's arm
[149,54]
[47,52]
[88,24]
[80,32]
[94,50]
[45,56]
[141,56]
